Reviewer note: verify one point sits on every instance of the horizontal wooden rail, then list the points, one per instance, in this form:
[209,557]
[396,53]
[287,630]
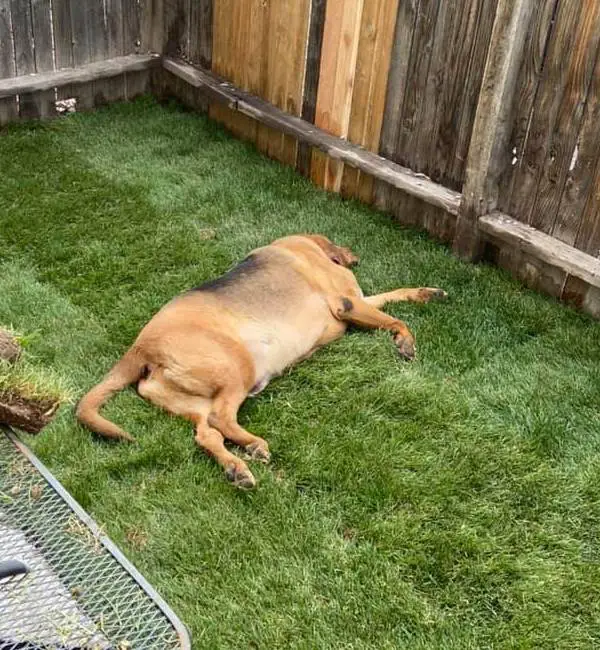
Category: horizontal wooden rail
[542,246]
[217,89]
[91,72]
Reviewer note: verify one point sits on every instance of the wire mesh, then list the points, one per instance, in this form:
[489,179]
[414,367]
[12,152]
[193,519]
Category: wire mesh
[77,594]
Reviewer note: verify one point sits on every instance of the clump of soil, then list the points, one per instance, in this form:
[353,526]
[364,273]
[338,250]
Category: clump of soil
[26,414]
[29,414]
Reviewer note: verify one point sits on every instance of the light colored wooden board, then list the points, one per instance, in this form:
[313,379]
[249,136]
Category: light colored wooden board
[368,101]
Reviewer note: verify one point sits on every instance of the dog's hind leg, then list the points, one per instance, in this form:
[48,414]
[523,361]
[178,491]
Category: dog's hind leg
[212,442]
[420,294]
[223,417]
[162,392]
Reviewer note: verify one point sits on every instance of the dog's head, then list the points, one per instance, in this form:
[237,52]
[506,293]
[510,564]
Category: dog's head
[337,254]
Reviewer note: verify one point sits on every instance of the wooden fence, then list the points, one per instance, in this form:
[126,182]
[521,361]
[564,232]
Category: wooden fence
[44,36]
[481,115]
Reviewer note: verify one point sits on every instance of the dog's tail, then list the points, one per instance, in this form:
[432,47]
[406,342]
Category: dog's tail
[128,370]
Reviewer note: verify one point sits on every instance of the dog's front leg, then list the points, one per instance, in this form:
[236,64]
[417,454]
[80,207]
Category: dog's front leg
[359,312]
[420,294]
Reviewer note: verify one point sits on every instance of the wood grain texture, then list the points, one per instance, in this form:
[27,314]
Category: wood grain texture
[536,45]
[175,26]
[462,30]
[473,83]
[492,122]
[368,99]
[132,27]
[384,197]
[261,46]
[581,54]
[9,110]
[44,57]
[200,26]
[311,77]
[61,23]
[573,219]
[416,83]
[84,74]
[336,82]
[22,27]
[588,238]
[542,246]
[545,108]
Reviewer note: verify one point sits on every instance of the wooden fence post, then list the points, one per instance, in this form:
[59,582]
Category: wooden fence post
[492,123]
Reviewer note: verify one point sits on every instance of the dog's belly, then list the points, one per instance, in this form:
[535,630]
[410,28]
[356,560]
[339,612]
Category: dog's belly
[278,344]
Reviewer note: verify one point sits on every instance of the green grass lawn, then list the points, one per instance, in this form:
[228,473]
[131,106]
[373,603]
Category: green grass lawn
[449,503]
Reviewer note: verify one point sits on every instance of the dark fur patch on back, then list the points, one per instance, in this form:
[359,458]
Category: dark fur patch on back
[245,269]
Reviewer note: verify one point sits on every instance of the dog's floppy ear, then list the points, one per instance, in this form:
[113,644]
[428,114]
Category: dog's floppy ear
[337,254]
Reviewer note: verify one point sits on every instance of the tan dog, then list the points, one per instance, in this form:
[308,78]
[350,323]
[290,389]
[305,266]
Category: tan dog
[210,348]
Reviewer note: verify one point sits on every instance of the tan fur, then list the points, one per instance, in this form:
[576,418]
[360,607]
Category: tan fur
[202,354]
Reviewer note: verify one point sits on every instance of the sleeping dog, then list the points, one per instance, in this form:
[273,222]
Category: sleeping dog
[210,348]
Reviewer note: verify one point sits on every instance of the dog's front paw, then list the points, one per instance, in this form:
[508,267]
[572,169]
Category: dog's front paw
[259,450]
[427,294]
[240,476]
[405,346]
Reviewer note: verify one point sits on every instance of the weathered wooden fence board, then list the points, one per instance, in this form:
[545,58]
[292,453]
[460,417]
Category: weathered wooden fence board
[9,108]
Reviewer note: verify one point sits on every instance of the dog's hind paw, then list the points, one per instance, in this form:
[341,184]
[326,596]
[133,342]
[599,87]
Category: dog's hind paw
[259,450]
[240,476]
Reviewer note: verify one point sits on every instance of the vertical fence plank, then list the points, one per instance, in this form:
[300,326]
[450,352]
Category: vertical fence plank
[311,78]
[416,81]
[545,108]
[294,67]
[386,198]
[336,83]
[471,89]
[8,107]
[446,124]
[492,122]
[201,20]
[440,67]
[175,25]
[564,136]
[368,100]
[588,238]
[24,53]
[44,57]
[536,45]
[571,226]
[112,90]
[63,46]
